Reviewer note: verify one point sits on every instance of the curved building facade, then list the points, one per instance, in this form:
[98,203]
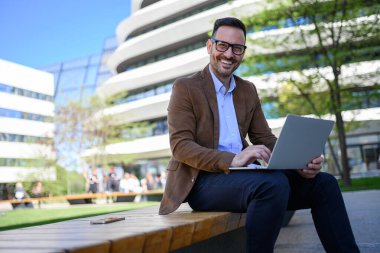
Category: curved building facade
[164,40]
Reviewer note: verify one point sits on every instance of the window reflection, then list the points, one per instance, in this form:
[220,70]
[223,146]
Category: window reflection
[8,113]
[22,92]
[23,138]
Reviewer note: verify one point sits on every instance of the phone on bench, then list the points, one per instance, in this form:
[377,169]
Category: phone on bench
[107,220]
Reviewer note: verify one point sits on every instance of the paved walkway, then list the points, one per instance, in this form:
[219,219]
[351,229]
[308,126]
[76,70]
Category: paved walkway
[363,208]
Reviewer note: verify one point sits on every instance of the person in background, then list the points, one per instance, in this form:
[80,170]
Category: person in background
[148,182]
[130,183]
[158,181]
[102,185]
[37,190]
[20,194]
[113,180]
[93,181]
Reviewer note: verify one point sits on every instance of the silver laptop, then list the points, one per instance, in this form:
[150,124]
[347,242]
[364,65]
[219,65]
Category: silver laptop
[301,140]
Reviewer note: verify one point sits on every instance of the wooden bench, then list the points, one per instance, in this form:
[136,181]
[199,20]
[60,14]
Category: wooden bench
[143,230]
[153,195]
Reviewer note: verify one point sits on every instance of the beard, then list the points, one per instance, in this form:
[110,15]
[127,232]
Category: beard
[224,67]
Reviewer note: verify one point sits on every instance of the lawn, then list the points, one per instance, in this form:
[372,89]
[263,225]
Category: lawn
[360,184]
[31,217]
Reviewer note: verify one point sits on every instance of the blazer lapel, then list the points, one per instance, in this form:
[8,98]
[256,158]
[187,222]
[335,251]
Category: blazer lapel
[209,89]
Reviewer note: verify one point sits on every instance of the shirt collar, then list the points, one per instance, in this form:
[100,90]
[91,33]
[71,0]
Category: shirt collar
[219,87]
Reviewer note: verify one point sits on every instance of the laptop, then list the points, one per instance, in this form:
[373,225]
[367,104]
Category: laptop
[301,140]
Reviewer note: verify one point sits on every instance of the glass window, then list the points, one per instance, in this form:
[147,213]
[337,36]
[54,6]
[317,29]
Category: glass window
[22,92]
[102,77]
[95,60]
[76,63]
[3,137]
[59,100]
[88,91]
[91,75]
[160,90]
[149,93]
[168,87]
[72,79]
[6,88]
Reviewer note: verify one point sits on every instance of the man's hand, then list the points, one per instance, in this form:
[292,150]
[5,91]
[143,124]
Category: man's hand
[313,169]
[251,154]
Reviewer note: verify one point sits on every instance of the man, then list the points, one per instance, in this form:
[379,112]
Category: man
[209,116]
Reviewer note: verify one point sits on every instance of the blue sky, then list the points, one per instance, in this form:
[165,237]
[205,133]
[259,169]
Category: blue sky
[39,33]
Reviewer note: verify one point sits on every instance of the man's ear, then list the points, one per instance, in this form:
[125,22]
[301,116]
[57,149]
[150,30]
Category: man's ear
[209,46]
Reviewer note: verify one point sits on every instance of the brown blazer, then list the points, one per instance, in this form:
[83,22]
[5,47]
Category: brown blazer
[193,121]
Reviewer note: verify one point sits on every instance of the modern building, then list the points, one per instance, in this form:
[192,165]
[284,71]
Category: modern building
[164,40]
[26,126]
[77,79]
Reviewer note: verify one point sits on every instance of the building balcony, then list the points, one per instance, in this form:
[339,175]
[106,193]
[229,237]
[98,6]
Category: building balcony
[177,32]
[159,147]
[152,14]
[26,78]
[26,127]
[15,174]
[171,68]
[140,110]
[352,75]
[149,147]
[19,150]
[156,105]
[26,104]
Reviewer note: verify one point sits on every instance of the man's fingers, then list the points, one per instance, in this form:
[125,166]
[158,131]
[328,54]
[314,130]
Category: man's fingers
[264,153]
[318,160]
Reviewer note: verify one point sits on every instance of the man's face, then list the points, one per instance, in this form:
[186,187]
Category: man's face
[223,64]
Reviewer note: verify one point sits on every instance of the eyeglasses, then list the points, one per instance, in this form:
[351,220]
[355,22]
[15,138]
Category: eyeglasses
[223,46]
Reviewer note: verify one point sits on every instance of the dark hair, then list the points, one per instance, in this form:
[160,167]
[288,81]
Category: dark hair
[228,21]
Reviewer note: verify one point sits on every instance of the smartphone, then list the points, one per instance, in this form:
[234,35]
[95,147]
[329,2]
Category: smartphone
[107,220]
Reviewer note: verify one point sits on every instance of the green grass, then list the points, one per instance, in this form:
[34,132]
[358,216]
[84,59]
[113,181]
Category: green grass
[32,217]
[361,184]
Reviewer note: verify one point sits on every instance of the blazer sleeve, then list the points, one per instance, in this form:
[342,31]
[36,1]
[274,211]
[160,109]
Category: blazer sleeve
[182,124]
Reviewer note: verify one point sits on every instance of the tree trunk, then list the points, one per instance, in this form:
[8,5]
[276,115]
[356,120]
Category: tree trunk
[335,158]
[343,149]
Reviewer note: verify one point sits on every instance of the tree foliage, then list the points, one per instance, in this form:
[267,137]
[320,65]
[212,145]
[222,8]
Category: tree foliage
[81,126]
[67,182]
[325,50]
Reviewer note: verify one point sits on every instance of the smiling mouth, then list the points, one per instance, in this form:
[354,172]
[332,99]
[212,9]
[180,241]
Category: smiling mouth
[225,62]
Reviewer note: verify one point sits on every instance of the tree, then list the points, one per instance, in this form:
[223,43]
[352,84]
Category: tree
[81,126]
[320,52]
[67,182]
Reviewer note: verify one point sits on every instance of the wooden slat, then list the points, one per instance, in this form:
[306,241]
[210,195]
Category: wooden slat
[242,220]
[143,230]
[158,241]
[233,222]
[132,244]
[181,236]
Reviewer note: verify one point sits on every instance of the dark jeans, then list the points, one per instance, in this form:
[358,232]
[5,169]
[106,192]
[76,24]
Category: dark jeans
[266,195]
